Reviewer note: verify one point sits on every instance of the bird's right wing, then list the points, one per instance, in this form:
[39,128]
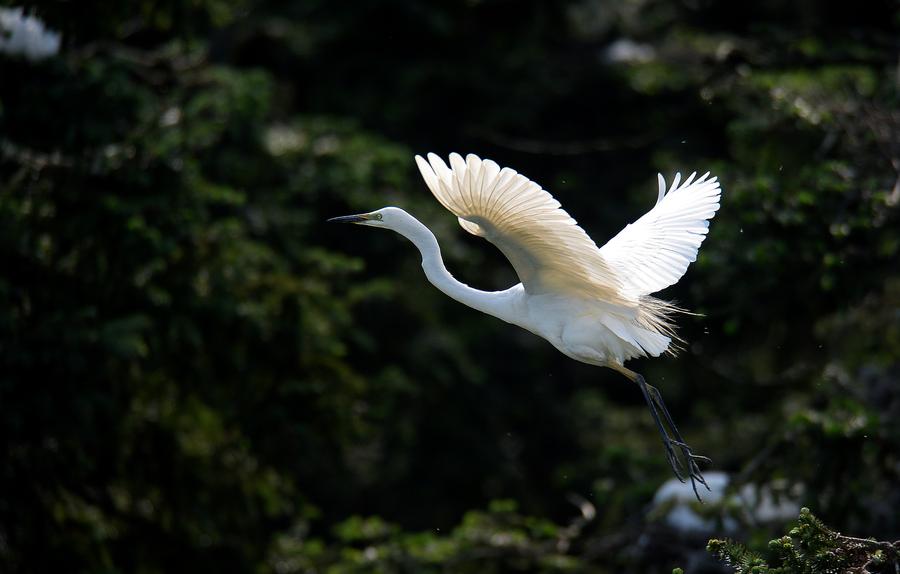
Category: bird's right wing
[547,248]
[655,251]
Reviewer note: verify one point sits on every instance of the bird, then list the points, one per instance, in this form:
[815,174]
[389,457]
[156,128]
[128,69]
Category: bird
[594,304]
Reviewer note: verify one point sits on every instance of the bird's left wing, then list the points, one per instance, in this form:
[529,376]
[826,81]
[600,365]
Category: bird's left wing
[547,248]
[655,251]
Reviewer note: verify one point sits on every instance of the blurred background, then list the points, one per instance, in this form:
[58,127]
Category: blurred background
[198,374]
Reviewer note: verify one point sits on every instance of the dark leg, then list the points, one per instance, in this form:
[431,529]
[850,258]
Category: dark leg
[693,469]
[677,468]
[657,406]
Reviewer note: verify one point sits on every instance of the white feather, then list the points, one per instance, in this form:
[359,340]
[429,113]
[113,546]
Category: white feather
[655,251]
[547,248]
[578,294]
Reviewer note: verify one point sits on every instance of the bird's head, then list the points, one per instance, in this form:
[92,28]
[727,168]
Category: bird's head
[386,217]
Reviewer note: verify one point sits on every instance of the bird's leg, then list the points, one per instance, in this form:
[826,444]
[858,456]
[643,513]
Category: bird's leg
[667,441]
[691,458]
[657,406]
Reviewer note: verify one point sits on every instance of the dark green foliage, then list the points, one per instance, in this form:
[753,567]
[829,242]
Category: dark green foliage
[499,540]
[811,548]
[143,284]
[197,373]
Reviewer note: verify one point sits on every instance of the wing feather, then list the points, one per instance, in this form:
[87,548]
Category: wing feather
[656,250]
[547,248]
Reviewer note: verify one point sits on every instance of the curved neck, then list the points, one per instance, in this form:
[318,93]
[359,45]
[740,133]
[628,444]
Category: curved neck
[495,303]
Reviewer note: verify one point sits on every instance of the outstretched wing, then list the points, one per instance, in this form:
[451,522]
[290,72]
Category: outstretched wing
[655,251]
[547,248]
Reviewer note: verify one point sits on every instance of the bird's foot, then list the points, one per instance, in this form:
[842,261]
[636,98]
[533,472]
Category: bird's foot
[693,468]
[690,469]
[672,458]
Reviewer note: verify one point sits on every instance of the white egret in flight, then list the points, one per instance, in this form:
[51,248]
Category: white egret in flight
[592,303]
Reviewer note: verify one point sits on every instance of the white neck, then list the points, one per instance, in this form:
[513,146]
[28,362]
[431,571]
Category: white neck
[496,303]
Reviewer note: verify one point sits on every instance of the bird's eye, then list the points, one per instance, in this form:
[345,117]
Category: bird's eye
[378,216]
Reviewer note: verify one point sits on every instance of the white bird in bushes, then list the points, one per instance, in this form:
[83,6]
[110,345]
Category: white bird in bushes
[592,303]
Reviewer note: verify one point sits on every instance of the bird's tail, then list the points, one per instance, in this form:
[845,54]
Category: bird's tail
[655,315]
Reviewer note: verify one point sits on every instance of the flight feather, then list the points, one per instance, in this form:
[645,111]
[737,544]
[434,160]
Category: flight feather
[655,251]
[546,247]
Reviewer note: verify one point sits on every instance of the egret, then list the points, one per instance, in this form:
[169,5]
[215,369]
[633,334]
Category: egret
[592,303]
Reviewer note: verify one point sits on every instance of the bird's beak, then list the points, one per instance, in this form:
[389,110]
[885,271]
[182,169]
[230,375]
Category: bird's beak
[349,219]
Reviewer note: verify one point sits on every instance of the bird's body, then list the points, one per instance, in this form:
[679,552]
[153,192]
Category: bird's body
[592,304]
[590,330]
